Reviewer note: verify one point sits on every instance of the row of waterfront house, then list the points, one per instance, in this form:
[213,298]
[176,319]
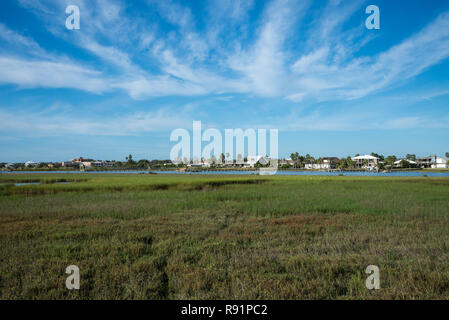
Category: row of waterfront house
[373,162]
[367,162]
[79,162]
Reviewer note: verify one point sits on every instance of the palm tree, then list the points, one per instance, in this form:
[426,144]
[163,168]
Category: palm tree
[130,159]
[349,162]
[297,157]
[143,163]
[320,162]
[364,163]
[294,157]
[342,163]
[301,160]
[390,160]
[222,158]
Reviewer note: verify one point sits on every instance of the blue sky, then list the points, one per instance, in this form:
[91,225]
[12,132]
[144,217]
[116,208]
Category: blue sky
[136,70]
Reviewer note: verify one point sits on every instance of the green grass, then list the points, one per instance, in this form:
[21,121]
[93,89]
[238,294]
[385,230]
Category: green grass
[435,170]
[223,237]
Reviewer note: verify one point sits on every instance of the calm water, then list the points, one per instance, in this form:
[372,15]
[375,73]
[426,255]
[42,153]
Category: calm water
[325,173]
[280,173]
[26,184]
[33,183]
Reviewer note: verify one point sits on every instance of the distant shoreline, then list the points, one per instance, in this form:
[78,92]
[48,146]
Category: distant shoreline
[216,169]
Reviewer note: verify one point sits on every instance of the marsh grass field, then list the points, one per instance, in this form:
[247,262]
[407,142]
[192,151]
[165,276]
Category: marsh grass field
[223,237]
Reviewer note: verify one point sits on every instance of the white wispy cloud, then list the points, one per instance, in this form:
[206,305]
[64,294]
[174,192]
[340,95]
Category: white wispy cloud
[49,74]
[35,124]
[57,120]
[15,38]
[263,65]
[192,61]
[354,78]
[357,121]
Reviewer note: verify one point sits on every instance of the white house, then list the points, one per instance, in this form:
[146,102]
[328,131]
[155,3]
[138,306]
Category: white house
[252,160]
[109,163]
[194,165]
[205,164]
[440,163]
[315,166]
[398,163]
[365,161]
[287,161]
[327,163]
[96,163]
[86,164]
[433,161]
[31,164]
